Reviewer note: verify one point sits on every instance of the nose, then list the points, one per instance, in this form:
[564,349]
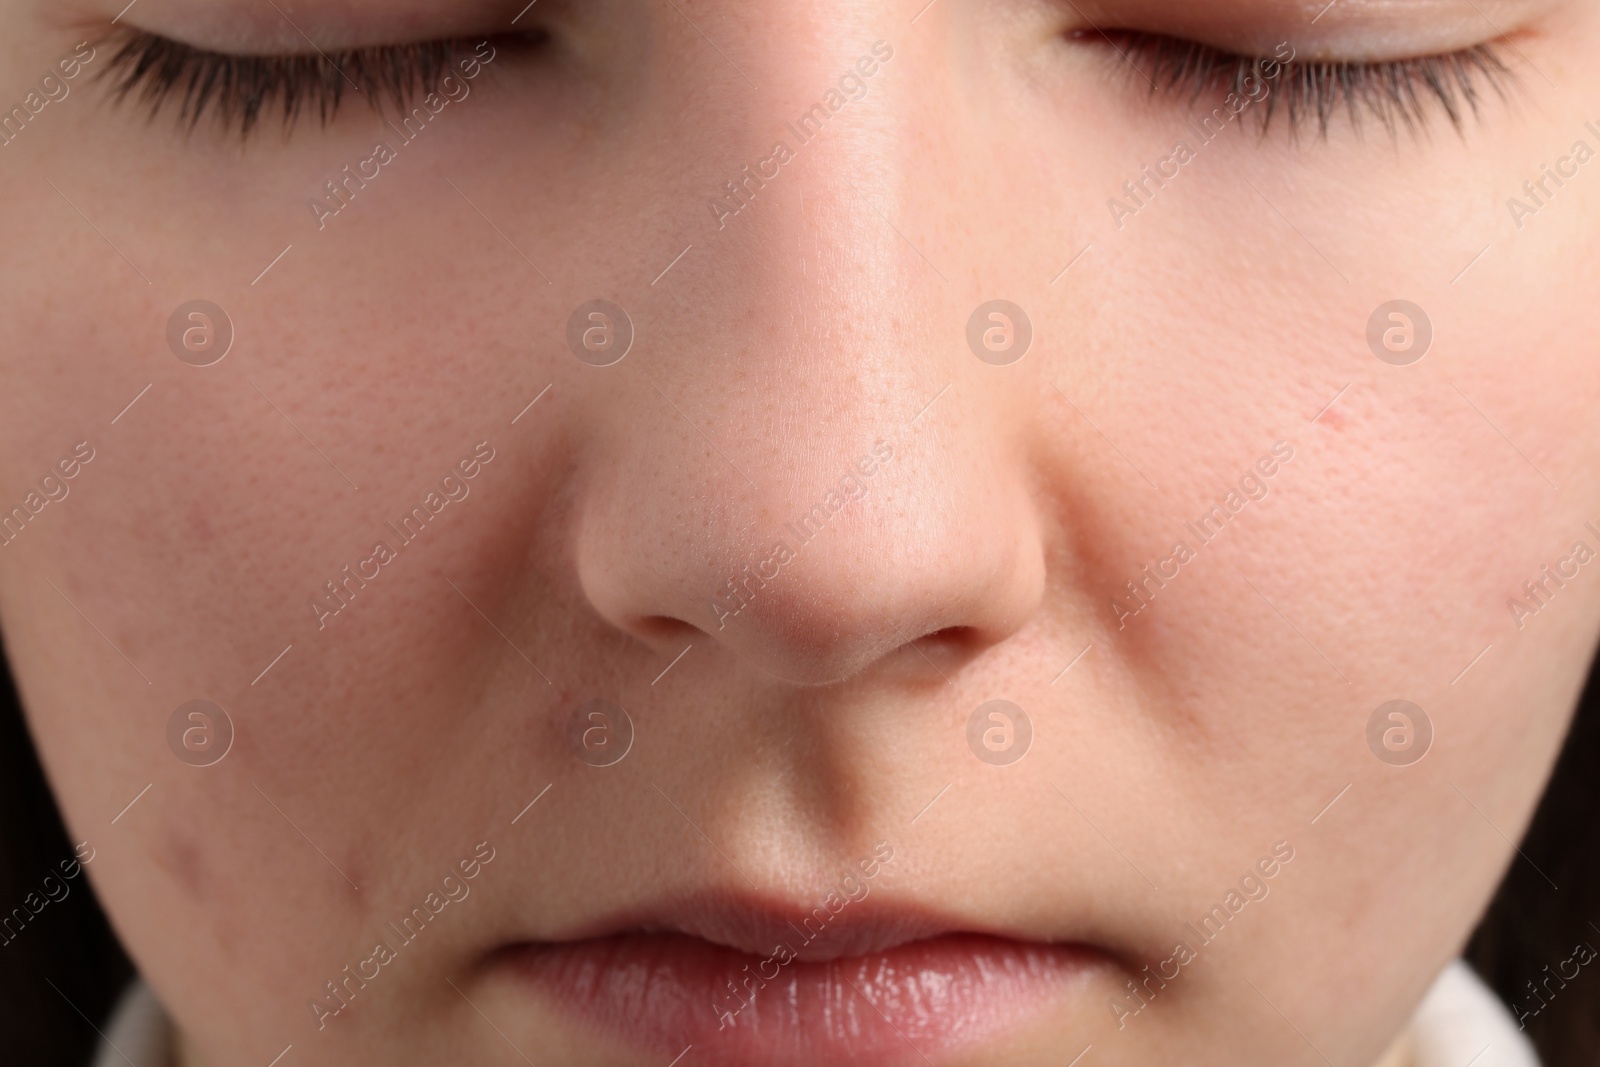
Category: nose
[805,462]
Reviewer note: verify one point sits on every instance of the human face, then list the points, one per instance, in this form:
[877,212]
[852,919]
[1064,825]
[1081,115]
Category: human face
[1227,505]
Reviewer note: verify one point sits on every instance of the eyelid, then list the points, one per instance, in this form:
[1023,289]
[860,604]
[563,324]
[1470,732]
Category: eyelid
[1396,92]
[293,27]
[1352,31]
[239,89]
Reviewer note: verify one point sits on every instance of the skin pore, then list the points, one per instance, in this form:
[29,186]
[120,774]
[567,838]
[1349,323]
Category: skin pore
[1207,344]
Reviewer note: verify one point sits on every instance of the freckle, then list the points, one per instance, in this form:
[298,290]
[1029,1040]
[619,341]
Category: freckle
[181,859]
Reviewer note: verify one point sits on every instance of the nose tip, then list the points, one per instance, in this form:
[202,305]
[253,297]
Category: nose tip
[879,581]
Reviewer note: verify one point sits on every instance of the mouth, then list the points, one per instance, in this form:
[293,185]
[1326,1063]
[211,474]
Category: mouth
[745,981]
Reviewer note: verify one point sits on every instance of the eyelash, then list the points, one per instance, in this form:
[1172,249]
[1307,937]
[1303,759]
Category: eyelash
[238,89]
[1399,92]
[241,90]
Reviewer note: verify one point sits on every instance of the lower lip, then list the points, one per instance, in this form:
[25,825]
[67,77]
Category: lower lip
[661,992]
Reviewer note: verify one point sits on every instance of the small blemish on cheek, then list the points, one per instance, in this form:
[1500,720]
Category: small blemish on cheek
[181,858]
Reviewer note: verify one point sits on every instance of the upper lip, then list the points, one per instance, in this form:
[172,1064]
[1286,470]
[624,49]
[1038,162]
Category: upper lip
[757,924]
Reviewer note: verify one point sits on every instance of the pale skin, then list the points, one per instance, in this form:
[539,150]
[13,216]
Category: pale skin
[827,315]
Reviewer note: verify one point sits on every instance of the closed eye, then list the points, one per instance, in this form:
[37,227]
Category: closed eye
[1396,93]
[241,91]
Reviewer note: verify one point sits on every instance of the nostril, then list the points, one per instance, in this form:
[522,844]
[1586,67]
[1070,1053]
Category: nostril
[954,588]
[953,636]
[950,647]
[665,629]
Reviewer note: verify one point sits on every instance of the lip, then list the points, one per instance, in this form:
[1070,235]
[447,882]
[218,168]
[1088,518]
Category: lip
[875,985]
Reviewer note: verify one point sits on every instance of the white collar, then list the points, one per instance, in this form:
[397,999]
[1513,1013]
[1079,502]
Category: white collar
[139,1032]
[1458,1022]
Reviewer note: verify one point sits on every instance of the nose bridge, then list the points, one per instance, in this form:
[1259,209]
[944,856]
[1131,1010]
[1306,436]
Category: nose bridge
[780,495]
[813,251]
[830,111]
